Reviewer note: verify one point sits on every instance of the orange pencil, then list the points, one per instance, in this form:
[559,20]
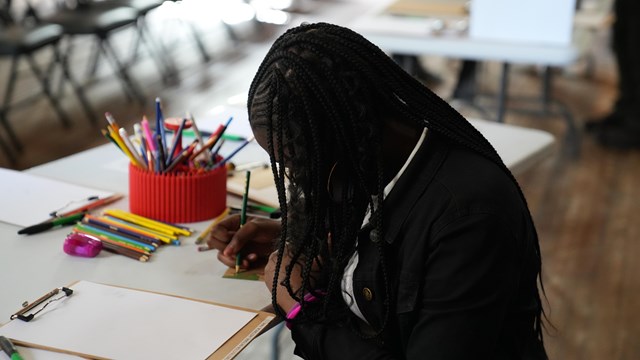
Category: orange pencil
[207,145]
[183,155]
[93,205]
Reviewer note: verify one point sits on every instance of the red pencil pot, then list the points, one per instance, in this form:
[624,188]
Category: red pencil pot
[180,197]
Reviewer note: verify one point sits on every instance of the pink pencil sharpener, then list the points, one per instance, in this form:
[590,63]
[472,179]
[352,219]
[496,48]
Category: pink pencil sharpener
[82,245]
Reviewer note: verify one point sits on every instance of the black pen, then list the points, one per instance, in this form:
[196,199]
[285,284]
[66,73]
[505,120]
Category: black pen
[68,220]
[9,348]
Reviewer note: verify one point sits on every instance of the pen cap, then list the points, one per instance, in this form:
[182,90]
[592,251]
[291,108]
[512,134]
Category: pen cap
[180,197]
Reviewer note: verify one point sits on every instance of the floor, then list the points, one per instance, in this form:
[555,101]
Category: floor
[586,207]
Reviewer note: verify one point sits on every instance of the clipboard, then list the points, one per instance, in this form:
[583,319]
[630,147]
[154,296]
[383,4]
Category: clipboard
[73,336]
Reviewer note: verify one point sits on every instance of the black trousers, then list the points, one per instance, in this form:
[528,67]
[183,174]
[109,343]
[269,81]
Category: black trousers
[626,45]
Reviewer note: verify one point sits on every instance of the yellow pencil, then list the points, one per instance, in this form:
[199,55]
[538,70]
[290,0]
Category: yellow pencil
[116,137]
[142,223]
[201,238]
[152,224]
[141,229]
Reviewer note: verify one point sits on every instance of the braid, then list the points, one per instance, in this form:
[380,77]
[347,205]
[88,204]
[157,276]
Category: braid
[278,175]
[338,77]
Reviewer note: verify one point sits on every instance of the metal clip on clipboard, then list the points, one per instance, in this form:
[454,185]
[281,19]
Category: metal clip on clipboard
[45,299]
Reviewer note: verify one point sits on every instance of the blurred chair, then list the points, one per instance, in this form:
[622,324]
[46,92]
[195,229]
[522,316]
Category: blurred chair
[21,41]
[7,152]
[101,23]
[155,49]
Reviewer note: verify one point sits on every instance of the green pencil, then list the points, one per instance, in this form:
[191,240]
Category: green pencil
[243,214]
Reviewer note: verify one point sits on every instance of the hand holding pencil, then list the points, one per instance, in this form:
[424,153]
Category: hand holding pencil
[255,240]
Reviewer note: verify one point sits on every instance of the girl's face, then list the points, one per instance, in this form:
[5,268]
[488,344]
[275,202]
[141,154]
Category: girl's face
[260,128]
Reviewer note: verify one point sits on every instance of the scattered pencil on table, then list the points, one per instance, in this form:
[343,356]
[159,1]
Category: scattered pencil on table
[129,234]
[203,235]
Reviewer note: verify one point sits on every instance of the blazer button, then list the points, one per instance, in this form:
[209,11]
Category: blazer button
[367,293]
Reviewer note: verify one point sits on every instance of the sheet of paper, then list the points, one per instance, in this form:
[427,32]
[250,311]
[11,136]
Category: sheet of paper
[262,187]
[220,114]
[530,22]
[28,199]
[118,323]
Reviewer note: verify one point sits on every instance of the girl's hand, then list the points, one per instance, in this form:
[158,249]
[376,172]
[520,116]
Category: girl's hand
[255,240]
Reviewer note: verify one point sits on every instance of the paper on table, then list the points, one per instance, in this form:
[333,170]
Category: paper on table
[220,115]
[523,22]
[263,188]
[118,323]
[28,199]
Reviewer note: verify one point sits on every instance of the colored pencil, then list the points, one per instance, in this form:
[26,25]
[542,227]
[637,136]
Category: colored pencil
[99,202]
[243,214]
[202,237]
[124,251]
[93,230]
[103,239]
[123,229]
[153,224]
[163,237]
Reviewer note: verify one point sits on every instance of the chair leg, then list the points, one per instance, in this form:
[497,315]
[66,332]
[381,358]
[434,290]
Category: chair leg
[6,103]
[65,55]
[196,36]
[93,63]
[157,51]
[7,152]
[121,71]
[135,45]
[66,75]
[44,81]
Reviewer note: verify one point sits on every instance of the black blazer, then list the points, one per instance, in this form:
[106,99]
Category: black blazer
[462,270]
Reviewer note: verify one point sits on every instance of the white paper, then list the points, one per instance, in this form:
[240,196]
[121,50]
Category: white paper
[219,116]
[118,323]
[526,21]
[28,199]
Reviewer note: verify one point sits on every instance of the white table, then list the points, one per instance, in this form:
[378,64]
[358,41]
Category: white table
[416,36]
[33,265]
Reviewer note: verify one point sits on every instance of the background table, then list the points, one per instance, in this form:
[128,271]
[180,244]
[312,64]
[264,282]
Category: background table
[422,35]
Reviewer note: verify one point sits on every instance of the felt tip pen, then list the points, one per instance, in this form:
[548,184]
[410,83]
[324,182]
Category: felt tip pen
[38,228]
[9,348]
[257,213]
[233,137]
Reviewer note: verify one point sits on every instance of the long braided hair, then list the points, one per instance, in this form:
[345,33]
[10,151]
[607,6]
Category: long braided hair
[320,94]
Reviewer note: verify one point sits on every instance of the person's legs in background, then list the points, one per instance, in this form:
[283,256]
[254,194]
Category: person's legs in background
[412,65]
[621,128]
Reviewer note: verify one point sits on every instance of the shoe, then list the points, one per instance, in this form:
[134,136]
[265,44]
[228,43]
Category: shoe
[594,125]
[619,136]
